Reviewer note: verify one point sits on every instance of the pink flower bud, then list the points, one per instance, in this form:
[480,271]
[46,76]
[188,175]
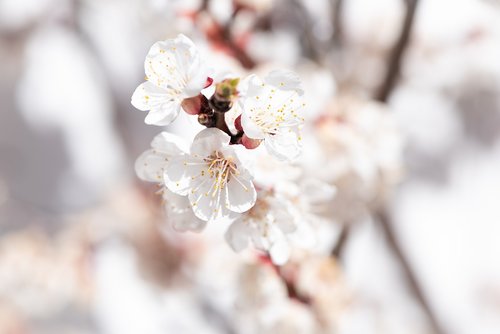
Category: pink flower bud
[250,143]
[193,105]
[209,82]
[237,123]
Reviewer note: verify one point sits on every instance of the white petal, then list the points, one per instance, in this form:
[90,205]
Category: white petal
[251,129]
[169,144]
[179,213]
[284,219]
[231,116]
[207,200]
[176,64]
[168,63]
[179,173]
[164,107]
[244,84]
[245,159]
[237,236]
[284,146]
[251,86]
[285,80]
[150,166]
[183,221]
[163,114]
[197,77]
[209,140]
[288,225]
[175,201]
[280,252]
[240,193]
[304,236]
[317,191]
[147,96]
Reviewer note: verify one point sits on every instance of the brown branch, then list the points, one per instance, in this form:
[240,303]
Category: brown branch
[387,228]
[394,63]
[307,38]
[238,52]
[220,35]
[287,281]
[337,7]
[339,248]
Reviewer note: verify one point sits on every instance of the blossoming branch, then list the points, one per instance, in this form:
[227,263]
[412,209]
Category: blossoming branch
[213,178]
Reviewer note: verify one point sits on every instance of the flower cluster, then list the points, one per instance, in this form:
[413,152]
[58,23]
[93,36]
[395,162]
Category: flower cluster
[213,178]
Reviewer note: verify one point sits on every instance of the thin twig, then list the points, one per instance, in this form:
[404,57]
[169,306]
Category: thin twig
[339,248]
[308,39]
[394,64]
[287,281]
[337,7]
[239,53]
[222,36]
[387,228]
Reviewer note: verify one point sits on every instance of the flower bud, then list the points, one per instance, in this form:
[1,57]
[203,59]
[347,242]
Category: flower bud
[225,93]
[195,105]
[207,120]
[250,143]
[209,82]
[220,105]
[237,123]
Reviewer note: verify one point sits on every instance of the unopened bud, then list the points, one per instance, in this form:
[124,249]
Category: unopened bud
[195,105]
[207,120]
[237,123]
[250,143]
[227,89]
[209,82]
[226,92]
[219,104]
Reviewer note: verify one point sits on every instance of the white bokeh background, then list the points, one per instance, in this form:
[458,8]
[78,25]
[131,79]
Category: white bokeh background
[69,137]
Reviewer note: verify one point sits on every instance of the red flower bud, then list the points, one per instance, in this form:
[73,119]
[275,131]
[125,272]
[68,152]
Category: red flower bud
[250,143]
[237,123]
[209,82]
[193,105]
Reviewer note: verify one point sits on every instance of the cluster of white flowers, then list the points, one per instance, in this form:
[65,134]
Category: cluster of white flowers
[359,144]
[213,178]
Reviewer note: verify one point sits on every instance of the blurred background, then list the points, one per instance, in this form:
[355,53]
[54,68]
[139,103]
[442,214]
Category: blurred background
[84,246]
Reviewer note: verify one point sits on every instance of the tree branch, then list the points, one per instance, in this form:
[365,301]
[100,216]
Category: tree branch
[337,7]
[394,64]
[384,221]
[339,248]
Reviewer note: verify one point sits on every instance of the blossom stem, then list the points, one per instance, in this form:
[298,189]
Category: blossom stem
[220,123]
[387,227]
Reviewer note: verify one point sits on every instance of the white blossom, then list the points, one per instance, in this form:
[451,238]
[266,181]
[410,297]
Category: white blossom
[286,216]
[263,305]
[180,214]
[174,72]
[213,175]
[151,165]
[271,112]
[266,224]
[361,153]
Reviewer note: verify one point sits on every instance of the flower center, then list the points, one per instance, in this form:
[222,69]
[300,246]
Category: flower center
[221,169]
[259,211]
